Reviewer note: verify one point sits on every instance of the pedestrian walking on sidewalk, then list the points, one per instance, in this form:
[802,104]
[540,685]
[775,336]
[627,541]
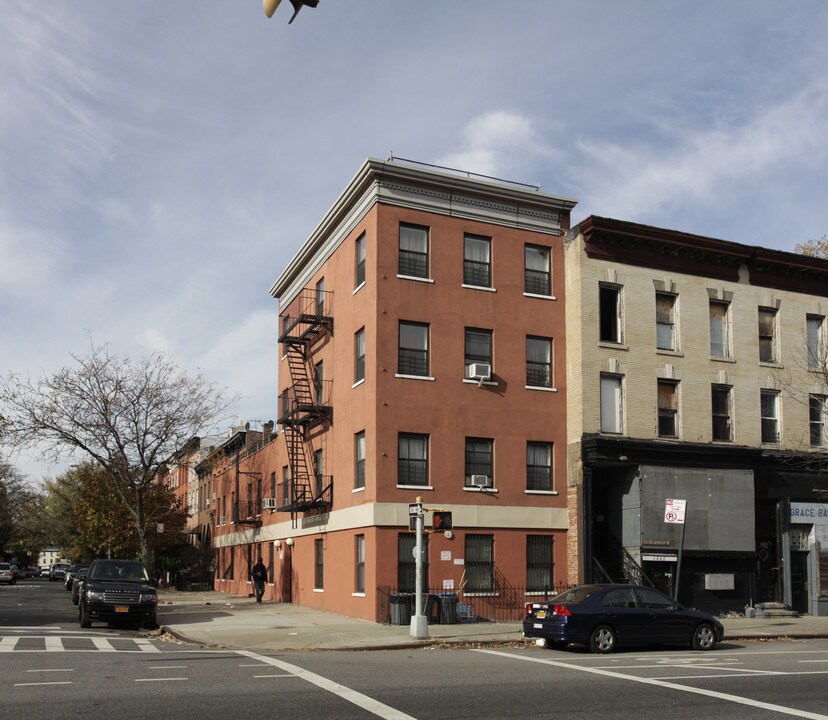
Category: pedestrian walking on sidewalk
[259,575]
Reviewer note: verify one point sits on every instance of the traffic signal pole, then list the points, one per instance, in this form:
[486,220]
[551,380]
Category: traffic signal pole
[419,622]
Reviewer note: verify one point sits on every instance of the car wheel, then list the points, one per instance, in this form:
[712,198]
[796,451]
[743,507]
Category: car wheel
[704,637]
[602,639]
[85,622]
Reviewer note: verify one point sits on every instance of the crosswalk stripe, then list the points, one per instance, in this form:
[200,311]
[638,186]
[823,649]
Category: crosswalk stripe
[7,644]
[55,643]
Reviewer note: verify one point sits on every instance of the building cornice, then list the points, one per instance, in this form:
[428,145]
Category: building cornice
[629,243]
[424,189]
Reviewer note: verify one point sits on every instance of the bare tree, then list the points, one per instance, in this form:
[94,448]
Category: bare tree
[129,417]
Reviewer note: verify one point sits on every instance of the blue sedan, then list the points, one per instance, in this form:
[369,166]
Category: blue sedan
[604,616]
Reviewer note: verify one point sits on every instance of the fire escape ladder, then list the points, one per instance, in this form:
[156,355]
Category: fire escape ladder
[303,407]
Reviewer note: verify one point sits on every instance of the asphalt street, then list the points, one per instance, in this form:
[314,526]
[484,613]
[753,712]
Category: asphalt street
[48,663]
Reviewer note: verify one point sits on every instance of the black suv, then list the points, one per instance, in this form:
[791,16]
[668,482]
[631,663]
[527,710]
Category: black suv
[116,590]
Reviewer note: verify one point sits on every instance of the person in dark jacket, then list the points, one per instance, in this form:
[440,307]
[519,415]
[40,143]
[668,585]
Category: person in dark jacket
[259,574]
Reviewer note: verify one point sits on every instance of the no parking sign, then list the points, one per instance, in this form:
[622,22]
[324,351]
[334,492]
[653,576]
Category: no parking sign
[674,511]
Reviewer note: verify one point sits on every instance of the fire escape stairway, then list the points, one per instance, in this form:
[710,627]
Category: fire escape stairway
[302,409]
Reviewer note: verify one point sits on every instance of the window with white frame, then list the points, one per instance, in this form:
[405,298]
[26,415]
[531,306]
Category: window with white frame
[767,335]
[540,563]
[412,459]
[359,562]
[359,355]
[479,461]
[538,466]
[666,321]
[537,271]
[359,270]
[479,563]
[769,410]
[413,260]
[318,564]
[478,349]
[359,460]
[320,297]
[413,349]
[609,311]
[538,361]
[815,328]
[722,410]
[612,415]
[816,410]
[477,261]
[719,329]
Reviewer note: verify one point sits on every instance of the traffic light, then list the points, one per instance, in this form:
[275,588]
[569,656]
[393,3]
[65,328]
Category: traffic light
[441,520]
[271,5]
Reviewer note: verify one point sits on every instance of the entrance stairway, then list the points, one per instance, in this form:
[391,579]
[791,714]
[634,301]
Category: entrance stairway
[774,610]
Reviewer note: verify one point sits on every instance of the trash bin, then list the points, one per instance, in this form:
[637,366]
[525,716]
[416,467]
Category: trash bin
[401,608]
[448,608]
[433,609]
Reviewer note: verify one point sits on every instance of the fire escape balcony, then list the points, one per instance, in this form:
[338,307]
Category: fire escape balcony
[301,407]
[309,318]
[247,512]
[306,494]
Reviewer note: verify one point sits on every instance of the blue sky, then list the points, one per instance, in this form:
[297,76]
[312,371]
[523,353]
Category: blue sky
[160,163]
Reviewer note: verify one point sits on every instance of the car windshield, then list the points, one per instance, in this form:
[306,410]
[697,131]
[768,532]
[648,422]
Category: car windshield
[117,571]
[5,566]
[576,594]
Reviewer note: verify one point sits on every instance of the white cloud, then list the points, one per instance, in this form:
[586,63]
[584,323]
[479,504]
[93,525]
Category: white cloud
[497,143]
[708,165]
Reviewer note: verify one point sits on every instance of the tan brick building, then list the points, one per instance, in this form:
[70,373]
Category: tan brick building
[696,371]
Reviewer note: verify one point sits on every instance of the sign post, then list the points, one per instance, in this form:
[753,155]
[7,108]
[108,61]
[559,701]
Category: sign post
[419,622]
[674,513]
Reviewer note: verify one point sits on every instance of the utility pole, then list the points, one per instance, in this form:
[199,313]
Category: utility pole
[419,622]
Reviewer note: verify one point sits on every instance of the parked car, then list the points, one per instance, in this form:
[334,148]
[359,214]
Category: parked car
[44,571]
[117,590]
[605,616]
[77,583]
[58,571]
[70,574]
[8,573]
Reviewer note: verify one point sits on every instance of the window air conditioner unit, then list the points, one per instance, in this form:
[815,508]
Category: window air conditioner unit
[268,503]
[481,481]
[480,371]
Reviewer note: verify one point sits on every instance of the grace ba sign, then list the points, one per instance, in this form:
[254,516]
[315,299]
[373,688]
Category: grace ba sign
[809,513]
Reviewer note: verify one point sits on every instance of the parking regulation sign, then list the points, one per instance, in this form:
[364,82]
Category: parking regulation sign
[674,511]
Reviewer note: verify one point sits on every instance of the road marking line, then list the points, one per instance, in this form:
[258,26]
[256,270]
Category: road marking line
[252,665]
[54,670]
[56,682]
[102,644]
[167,667]
[146,645]
[352,696]
[53,644]
[811,661]
[7,644]
[159,679]
[664,684]
[282,675]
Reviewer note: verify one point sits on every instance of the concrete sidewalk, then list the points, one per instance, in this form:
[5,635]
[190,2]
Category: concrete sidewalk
[219,620]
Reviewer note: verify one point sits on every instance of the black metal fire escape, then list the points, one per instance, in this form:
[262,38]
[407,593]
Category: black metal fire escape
[305,405]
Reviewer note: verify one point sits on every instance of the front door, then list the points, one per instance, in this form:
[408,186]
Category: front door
[799,581]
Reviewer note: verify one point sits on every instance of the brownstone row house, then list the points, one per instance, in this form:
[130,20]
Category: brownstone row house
[446,336]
